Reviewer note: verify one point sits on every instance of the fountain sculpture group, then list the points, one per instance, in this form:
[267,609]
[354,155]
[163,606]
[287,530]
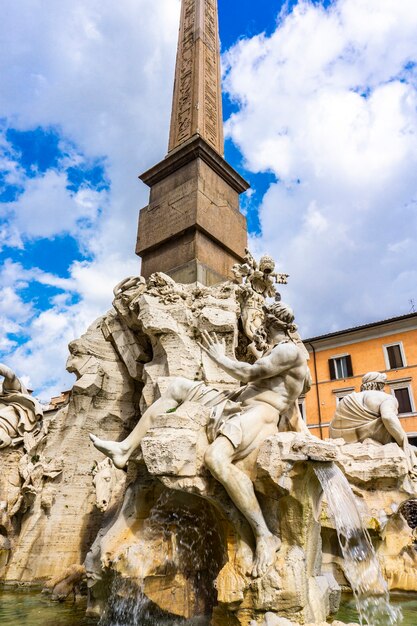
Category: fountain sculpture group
[211,504]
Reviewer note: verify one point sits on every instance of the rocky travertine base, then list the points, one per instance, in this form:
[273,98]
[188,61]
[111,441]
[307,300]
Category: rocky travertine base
[178,532]
[177,535]
[173,530]
[50,505]
[52,501]
[146,542]
[10,484]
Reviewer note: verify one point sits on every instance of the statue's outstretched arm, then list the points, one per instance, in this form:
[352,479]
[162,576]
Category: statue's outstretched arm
[266,367]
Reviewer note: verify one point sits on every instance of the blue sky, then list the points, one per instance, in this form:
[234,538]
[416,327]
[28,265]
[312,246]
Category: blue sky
[320,108]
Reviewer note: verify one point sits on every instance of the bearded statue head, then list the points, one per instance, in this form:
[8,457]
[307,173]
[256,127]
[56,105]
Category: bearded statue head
[280,315]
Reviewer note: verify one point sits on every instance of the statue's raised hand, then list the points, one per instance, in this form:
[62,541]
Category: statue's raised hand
[212,346]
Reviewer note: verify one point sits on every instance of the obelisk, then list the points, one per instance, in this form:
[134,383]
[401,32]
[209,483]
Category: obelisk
[192,228]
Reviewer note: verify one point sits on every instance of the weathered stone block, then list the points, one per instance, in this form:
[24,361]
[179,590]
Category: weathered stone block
[176,444]
[170,451]
[367,462]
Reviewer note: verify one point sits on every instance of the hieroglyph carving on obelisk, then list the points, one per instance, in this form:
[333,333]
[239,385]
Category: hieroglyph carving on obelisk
[197,104]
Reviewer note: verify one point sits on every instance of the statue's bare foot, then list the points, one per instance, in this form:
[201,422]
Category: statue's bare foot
[118,453]
[266,548]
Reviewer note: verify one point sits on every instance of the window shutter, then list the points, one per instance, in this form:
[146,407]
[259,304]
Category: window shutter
[349,365]
[404,400]
[395,357]
[332,369]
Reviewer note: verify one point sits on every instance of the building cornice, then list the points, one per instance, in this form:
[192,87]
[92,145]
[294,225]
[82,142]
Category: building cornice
[383,328]
[195,148]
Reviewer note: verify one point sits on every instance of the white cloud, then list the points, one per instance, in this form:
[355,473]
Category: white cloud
[328,103]
[101,73]
[41,358]
[340,219]
[48,208]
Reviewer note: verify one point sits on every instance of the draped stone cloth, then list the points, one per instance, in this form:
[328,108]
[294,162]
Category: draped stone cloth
[354,423]
[225,414]
[19,413]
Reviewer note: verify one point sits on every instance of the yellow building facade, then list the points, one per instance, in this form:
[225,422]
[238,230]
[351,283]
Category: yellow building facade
[339,360]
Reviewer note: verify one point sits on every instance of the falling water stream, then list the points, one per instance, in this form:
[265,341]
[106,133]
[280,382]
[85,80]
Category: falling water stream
[196,552]
[128,606]
[361,565]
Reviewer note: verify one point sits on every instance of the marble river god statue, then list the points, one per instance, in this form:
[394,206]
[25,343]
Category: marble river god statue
[371,414]
[264,402]
[20,413]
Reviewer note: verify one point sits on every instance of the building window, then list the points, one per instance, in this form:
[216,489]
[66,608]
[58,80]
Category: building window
[342,393]
[394,356]
[403,396]
[401,389]
[302,408]
[340,367]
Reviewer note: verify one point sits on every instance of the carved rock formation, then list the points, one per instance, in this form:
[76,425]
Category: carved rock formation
[178,533]
[177,536]
[48,486]
[167,530]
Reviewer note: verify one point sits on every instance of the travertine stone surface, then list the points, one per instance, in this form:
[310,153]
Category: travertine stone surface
[177,442]
[135,545]
[58,516]
[369,463]
[169,484]
[270,619]
[173,529]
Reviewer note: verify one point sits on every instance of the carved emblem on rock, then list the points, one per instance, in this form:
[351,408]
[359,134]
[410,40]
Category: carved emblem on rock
[257,282]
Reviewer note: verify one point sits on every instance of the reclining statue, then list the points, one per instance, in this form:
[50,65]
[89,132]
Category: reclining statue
[20,413]
[371,414]
[241,419]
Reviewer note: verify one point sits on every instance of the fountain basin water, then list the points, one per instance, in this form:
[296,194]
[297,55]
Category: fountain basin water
[29,608]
